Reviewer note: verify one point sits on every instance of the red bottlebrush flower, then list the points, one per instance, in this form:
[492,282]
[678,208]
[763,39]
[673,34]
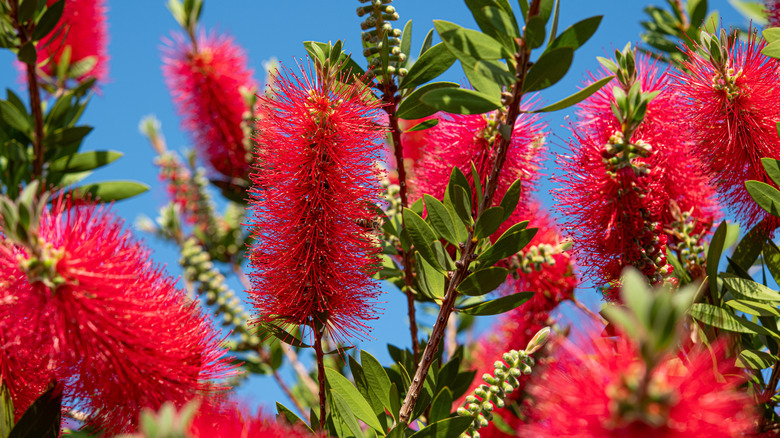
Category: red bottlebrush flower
[206,83]
[732,109]
[542,266]
[313,258]
[84,31]
[227,419]
[616,198]
[26,367]
[591,390]
[458,140]
[122,336]
[772,8]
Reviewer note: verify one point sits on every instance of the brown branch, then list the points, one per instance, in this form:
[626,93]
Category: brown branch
[522,59]
[389,99]
[320,371]
[25,33]
[300,370]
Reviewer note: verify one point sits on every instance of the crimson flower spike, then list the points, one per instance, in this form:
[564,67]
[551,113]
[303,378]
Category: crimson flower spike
[731,94]
[318,141]
[115,330]
[629,169]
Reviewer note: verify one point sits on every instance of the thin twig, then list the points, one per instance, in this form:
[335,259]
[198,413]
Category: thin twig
[320,372]
[300,370]
[592,314]
[522,58]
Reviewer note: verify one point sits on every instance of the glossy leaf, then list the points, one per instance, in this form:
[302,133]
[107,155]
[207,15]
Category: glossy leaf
[755,359]
[84,161]
[42,418]
[447,428]
[754,308]
[577,34]
[772,168]
[750,289]
[772,260]
[425,124]
[15,118]
[488,222]
[501,21]
[460,101]
[771,34]
[483,281]
[429,279]
[283,335]
[550,68]
[535,32]
[6,411]
[498,305]
[462,203]
[344,410]
[27,53]
[441,406]
[406,41]
[765,196]
[428,66]
[412,108]
[718,317]
[377,379]
[109,191]
[467,44]
[290,417]
[509,244]
[48,20]
[713,255]
[749,248]
[422,236]
[351,395]
[440,219]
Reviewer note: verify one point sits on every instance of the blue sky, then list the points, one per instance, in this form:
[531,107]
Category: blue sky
[269,29]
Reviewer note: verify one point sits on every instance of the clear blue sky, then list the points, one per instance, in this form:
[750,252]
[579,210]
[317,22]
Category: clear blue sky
[276,29]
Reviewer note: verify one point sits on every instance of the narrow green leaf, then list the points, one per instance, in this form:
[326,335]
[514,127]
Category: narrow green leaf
[554,27]
[477,184]
[66,136]
[109,191]
[754,308]
[488,77]
[14,117]
[752,10]
[460,101]
[427,41]
[6,412]
[750,289]
[498,305]
[501,21]
[550,68]
[84,161]
[772,168]
[535,32]
[406,41]
[749,248]
[462,203]
[377,379]
[48,20]
[42,418]
[440,219]
[282,334]
[766,196]
[27,53]
[425,124]
[351,395]
[771,34]
[576,35]
[772,50]
[395,400]
[422,236]
[428,66]
[290,417]
[718,317]
[545,9]
[441,406]
[755,359]
[429,280]
[483,281]
[511,198]
[468,44]
[447,428]
[713,256]
[772,260]
[488,222]
[411,108]
[697,10]
[507,245]
[344,411]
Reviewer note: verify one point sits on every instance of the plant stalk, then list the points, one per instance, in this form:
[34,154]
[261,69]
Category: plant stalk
[320,371]
[462,265]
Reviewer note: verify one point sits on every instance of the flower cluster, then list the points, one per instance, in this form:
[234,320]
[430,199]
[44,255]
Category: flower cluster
[312,257]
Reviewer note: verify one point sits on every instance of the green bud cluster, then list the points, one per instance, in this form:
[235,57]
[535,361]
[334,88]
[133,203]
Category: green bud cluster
[688,243]
[200,270]
[378,30]
[716,48]
[504,380]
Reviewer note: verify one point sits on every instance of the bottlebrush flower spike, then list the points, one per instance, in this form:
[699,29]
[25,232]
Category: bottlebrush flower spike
[208,83]
[122,336]
[595,389]
[772,8]
[83,32]
[617,193]
[312,258]
[457,140]
[731,97]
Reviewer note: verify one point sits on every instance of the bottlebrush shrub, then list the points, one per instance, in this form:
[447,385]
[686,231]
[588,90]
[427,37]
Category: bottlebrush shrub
[616,195]
[601,387]
[82,37]
[731,94]
[113,327]
[312,258]
[206,79]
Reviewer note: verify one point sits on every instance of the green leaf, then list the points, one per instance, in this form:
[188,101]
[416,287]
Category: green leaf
[755,359]
[351,395]
[411,108]
[66,136]
[577,34]
[48,20]
[441,406]
[406,41]
[6,412]
[488,77]
[545,9]
[771,34]
[422,236]
[15,118]
[555,15]
[509,244]
[425,124]
[428,66]
[498,305]
[440,219]
[511,198]
[750,290]
[447,428]
[749,248]
[483,281]
[429,280]
[290,417]
[27,53]
[109,191]
[488,222]
[697,10]
[376,378]
[576,97]
[427,41]
[550,68]
[754,308]
[501,21]
[752,10]
[468,45]
[772,260]
[26,10]
[345,412]
[460,101]
[42,418]
[713,256]
[477,184]
[462,203]
[535,32]
[772,168]
[283,335]
[83,161]
[766,196]
[718,317]
[442,256]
